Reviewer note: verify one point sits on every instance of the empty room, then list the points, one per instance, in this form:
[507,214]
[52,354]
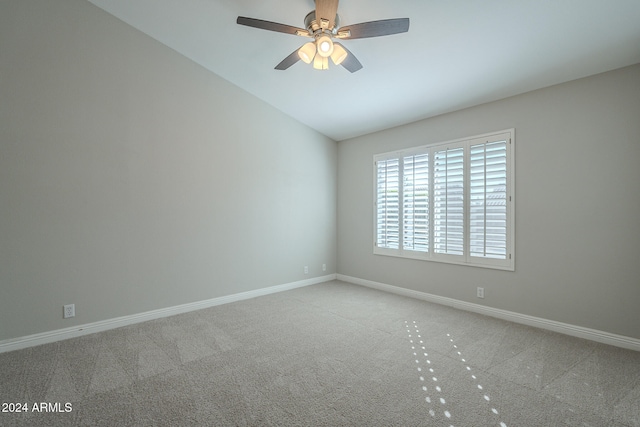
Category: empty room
[319,213]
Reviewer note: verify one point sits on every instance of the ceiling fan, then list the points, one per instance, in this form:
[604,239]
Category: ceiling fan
[322,25]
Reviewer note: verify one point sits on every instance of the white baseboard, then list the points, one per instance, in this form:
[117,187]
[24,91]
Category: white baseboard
[563,328]
[90,328]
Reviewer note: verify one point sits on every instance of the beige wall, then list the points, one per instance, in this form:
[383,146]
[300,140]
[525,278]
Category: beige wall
[577,158]
[132,179]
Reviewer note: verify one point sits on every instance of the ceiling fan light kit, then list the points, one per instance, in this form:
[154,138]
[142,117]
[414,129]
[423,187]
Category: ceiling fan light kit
[323,25]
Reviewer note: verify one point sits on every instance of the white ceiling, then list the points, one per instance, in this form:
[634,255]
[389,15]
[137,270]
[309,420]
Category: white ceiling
[457,53]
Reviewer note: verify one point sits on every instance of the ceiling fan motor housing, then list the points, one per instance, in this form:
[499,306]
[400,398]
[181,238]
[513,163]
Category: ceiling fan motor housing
[313,26]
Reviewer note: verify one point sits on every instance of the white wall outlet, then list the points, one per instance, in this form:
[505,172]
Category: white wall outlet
[480,293]
[69,311]
[324,267]
[306,269]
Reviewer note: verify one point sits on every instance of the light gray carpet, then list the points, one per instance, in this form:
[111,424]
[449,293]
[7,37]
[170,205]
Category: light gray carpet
[326,355]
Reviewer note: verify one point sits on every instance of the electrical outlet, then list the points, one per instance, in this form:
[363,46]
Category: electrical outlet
[69,311]
[324,267]
[480,293]
[306,269]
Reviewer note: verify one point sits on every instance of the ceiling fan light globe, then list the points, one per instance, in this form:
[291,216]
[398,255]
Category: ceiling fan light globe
[339,54]
[320,63]
[325,46]
[307,52]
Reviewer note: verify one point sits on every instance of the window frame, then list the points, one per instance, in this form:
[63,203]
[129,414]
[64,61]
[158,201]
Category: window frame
[508,263]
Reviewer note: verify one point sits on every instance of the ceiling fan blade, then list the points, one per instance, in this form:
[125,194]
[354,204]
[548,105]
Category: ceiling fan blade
[288,61]
[351,63]
[326,10]
[384,27]
[268,25]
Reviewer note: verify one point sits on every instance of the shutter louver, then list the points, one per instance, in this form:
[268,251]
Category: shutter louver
[488,200]
[415,203]
[388,204]
[448,215]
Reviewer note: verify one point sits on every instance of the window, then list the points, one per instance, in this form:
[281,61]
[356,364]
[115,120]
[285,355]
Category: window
[449,202]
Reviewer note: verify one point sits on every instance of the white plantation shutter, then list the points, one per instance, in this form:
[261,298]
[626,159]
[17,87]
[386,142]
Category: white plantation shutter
[488,200]
[388,203]
[448,204]
[415,203]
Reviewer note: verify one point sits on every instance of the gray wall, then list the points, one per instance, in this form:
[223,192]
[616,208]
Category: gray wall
[132,179]
[577,204]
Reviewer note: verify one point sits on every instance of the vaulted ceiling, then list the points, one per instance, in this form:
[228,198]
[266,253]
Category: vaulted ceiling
[457,53]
